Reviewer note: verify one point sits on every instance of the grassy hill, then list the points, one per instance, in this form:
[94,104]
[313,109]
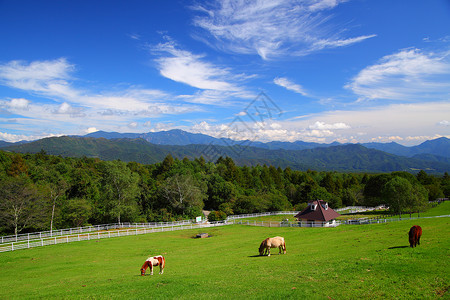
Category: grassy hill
[353,158]
[347,262]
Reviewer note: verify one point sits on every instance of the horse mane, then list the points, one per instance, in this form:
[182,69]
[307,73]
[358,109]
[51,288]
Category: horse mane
[145,265]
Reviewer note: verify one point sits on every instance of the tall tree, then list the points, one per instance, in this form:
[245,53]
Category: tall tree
[121,191]
[78,211]
[55,191]
[20,204]
[398,193]
[183,194]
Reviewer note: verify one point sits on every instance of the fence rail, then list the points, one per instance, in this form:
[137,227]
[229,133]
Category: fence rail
[25,244]
[273,213]
[87,229]
[288,224]
[38,239]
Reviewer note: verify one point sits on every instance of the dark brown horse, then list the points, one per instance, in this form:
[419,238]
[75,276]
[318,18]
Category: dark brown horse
[414,236]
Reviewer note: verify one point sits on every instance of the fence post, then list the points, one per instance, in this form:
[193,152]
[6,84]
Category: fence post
[12,246]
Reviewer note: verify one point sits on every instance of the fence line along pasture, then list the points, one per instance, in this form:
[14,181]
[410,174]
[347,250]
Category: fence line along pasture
[87,229]
[95,228]
[77,237]
[273,213]
[37,239]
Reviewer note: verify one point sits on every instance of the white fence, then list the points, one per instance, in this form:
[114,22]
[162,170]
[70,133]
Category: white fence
[134,230]
[333,223]
[273,213]
[38,239]
[87,229]
[363,221]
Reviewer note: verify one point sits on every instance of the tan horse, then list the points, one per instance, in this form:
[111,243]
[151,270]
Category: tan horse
[276,242]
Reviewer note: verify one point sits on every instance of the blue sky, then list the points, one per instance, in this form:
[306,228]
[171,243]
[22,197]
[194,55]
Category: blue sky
[321,71]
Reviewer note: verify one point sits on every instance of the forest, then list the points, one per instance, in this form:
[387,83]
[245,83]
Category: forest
[45,192]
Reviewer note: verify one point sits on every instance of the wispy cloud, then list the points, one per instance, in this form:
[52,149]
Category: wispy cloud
[350,126]
[217,85]
[188,68]
[49,78]
[410,74]
[272,28]
[289,85]
[78,108]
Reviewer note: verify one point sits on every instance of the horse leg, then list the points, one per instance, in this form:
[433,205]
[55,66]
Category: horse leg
[268,249]
[151,268]
[162,265]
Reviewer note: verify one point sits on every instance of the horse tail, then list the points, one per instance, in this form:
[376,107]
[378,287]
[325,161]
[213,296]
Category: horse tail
[284,246]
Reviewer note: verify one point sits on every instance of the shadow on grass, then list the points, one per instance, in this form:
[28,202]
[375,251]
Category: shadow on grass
[253,256]
[398,247]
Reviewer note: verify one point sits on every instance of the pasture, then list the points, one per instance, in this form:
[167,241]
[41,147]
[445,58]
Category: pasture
[346,262]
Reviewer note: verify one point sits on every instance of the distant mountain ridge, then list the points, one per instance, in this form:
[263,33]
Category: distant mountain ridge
[439,147]
[348,158]
[182,138]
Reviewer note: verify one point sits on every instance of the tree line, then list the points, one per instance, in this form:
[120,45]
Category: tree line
[46,192]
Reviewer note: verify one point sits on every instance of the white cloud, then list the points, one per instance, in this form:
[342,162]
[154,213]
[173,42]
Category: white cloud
[49,78]
[405,123]
[289,85]
[444,123]
[13,138]
[91,130]
[19,104]
[323,126]
[185,67]
[133,125]
[271,28]
[408,74]
[324,4]
[68,109]
[107,110]
[334,43]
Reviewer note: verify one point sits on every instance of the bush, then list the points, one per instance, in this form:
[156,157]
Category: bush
[215,216]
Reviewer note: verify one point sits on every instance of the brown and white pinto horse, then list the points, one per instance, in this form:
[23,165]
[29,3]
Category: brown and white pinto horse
[275,242]
[153,262]
[414,236]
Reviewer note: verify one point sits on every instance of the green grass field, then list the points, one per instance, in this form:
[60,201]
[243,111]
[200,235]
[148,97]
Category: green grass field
[347,262]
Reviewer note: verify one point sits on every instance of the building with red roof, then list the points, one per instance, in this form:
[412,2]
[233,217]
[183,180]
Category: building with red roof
[318,212]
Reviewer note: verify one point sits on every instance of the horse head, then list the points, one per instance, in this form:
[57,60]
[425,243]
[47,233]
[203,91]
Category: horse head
[144,268]
[262,247]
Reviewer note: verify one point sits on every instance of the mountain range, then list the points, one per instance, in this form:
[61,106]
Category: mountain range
[438,147]
[432,156]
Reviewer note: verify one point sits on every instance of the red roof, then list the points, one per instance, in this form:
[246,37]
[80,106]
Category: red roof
[318,210]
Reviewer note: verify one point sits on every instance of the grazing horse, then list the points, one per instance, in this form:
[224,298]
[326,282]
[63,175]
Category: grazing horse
[414,236]
[154,261]
[276,242]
